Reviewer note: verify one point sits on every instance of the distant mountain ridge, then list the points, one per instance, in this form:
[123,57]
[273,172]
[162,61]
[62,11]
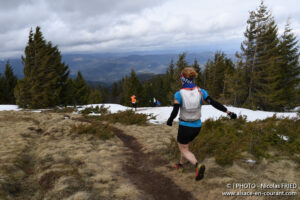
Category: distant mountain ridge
[107,68]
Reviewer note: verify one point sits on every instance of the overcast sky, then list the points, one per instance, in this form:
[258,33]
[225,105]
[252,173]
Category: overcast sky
[135,25]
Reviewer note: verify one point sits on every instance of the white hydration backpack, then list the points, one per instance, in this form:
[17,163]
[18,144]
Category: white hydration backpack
[191,106]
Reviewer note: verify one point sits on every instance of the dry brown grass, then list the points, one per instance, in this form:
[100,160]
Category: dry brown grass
[153,138]
[45,160]
[41,158]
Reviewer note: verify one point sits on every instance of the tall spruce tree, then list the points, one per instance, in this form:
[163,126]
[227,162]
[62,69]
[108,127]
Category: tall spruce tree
[115,90]
[2,89]
[159,88]
[69,96]
[81,90]
[22,89]
[266,73]
[45,74]
[148,92]
[10,83]
[135,88]
[175,76]
[261,60]
[95,96]
[197,68]
[125,96]
[214,75]
[115,93]
[237,85]
[180,65]
[170,79]
[247,56]
[289,67]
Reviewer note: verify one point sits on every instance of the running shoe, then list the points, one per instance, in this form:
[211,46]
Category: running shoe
[179,167]
[200,169]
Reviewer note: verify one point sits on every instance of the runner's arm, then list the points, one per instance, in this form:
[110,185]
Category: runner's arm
[174,113]
[220,107]
[216,104]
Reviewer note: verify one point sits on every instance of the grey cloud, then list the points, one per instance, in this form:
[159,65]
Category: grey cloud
[130,25]
[12,4]
[100,7]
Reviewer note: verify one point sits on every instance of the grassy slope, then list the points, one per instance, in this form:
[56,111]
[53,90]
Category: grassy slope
[42,158]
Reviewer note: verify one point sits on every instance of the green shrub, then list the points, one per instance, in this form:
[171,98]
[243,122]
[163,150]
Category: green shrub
[98,110]
[60,110]
[103,131]
[226,139]
[127,117]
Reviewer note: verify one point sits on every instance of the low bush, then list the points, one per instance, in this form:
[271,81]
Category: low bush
[60,110]
[227,139]
[97,110]
[127,117]
[102,131]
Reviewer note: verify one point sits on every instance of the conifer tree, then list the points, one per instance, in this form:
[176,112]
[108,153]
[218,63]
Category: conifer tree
[159,89]
[197,68]
[136,88]
[171,80]
[115,93]
[236,83]
[261,59]
[289,68]
[105,93]
[180,65]
[267,73]
[166,85]
[134,83]
[81,90]
[204,75]
[174,79]
[114,90]
[148,92]
[22,89]
[10,83]
[125,96]
[94,96]
[215,73]
[69,93]
[207,76]
[45,74]
[2,89]
[247,57]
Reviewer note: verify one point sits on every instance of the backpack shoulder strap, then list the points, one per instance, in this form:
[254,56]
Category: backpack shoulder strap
[202,98]
[199,90]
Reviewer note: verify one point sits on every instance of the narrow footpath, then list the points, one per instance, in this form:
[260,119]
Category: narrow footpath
[140,169]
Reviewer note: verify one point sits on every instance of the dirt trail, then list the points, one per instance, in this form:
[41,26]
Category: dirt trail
[153,140]
[140,169]
[42,158]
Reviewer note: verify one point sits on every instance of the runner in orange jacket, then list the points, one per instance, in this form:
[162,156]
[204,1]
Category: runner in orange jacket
[133,101]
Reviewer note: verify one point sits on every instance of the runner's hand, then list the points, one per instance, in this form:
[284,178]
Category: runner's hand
[169,122]
[232,115]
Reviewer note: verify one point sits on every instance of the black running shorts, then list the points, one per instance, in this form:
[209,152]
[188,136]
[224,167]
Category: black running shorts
[186,134]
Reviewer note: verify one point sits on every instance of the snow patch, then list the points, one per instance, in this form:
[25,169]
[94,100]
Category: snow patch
[251,161]
[283,137]
[162,113]
[9,107]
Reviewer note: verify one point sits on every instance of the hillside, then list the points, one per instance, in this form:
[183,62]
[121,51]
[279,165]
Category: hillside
[109,67]
[42,157]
